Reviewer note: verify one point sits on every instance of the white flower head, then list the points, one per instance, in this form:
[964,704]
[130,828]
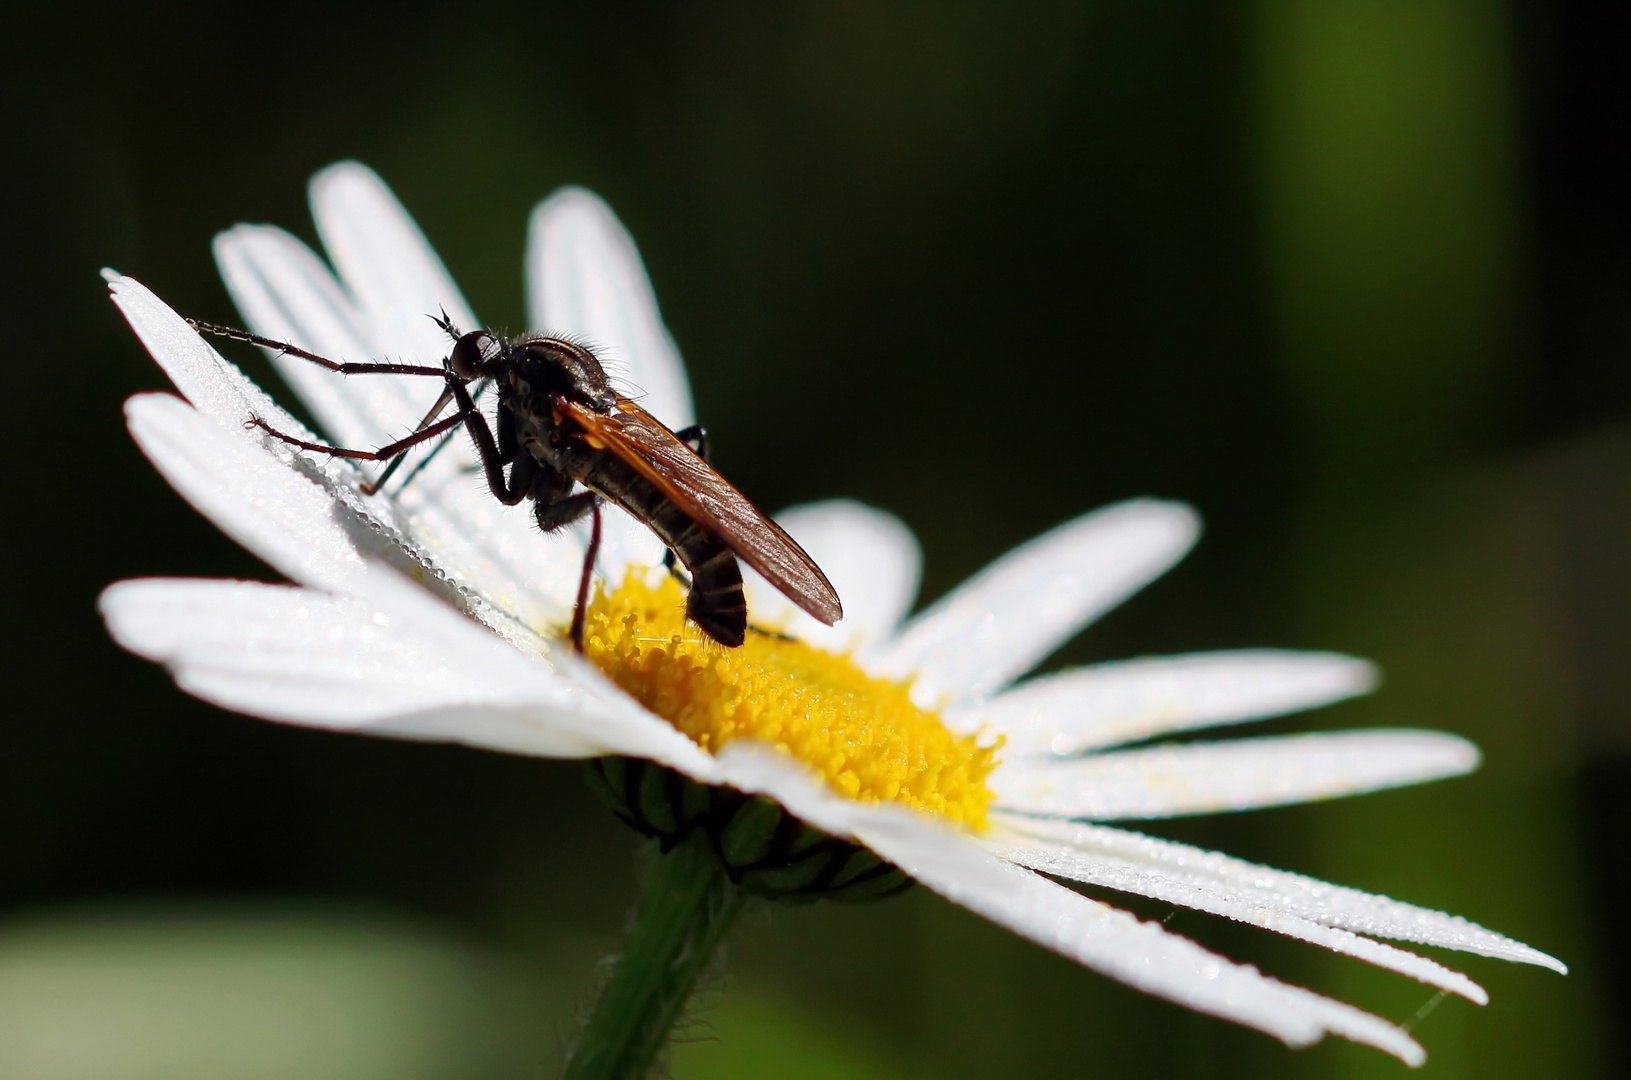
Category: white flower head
[436,614]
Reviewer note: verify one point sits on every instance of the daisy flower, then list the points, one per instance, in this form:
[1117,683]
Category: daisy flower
[839,760]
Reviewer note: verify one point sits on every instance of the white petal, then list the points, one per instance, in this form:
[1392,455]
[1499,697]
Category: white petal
[299,519]
[396,662]
[394,276]
[287,293]
[870,556]
[1158,883]
[1106,704]
[1193,872]
[224,399]
[585,280]
[1113,942]
[1006,618]
[297,654]
[277,514]
[1240,774]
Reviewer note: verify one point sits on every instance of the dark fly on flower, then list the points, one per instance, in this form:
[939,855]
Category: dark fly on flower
[560,424]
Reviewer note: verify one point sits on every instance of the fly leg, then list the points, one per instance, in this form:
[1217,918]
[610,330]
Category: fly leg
[521,480]
[382,454]
[286,349]
[589,557]
[559,513]
[671,563]
[396,463]
[555,507]
[455,333]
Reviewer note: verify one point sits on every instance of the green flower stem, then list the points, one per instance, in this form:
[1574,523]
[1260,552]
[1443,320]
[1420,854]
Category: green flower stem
[689,905]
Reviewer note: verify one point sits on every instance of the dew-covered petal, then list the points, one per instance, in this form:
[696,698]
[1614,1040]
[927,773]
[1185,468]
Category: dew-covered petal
[395,662]
[278,515]
[1093,707]
[285,292]
[211,383]
[1141,954]
[585,280]
[395,278]
[1001,622]
[486,547]
[1194,877]
[1140,879]
[1238,774]
[1109,941]
[295,654]
[870,556]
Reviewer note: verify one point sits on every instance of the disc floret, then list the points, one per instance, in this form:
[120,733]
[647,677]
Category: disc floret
[863,734]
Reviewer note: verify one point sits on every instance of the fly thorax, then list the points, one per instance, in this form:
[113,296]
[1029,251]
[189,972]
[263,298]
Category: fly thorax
[535,427]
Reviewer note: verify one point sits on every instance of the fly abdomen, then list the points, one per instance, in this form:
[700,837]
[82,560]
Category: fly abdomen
[716,603]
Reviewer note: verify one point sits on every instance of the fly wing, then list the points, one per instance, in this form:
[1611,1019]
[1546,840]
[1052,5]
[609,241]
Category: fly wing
[653,451]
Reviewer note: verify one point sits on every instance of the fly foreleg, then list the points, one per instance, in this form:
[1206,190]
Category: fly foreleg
[507,490]
[285,348]
[384,453]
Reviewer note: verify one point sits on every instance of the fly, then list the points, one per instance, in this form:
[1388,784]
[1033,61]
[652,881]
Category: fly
[561,425]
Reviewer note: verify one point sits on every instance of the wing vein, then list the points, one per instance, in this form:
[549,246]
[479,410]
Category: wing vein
[645,445]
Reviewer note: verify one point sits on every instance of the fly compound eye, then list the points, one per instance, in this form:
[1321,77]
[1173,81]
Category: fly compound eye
[471,353]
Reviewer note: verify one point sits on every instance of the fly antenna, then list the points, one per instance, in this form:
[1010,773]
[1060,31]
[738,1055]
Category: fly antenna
[446,324]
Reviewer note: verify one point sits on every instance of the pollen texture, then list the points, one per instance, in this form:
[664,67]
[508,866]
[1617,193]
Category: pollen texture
[863,734]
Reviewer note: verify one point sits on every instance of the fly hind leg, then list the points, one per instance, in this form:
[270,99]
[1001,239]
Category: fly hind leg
[554,508]
[559,514]
[581,609]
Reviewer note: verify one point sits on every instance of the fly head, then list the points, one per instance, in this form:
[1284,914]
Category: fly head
[476,355]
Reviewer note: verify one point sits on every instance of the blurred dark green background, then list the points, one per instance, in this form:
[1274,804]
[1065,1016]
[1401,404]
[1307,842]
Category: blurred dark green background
[1351,276]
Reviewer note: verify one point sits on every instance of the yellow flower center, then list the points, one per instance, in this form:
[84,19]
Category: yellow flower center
[862,734]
